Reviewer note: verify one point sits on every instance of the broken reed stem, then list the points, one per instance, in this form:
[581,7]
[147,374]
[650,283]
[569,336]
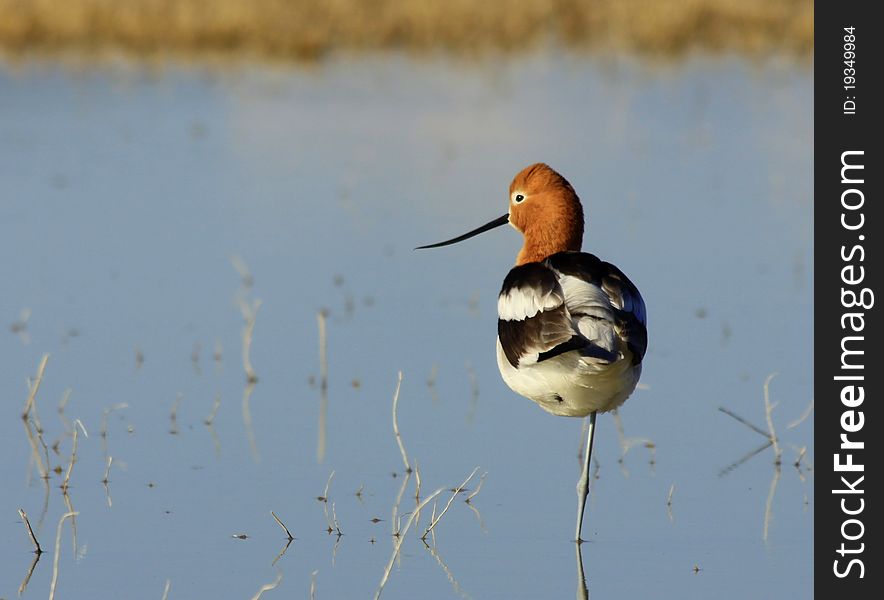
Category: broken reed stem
[218,353]
[396,424]
[247,420]
[321,318]
[249,313]
[42,468]
[394,518]
[445,569]
[174,414]
[474,391]
[106,481]
[166,589]
[324,498]
[327,486]
[335,521]
[431,383]
[323,384]
[215,406]
[313,585]
[195,356]
[58,552]
[242,269]
[284,528]
[268,586]
[106,413]
[400,538]
[62,404]
[746,457]
[754,428]
[417,483]
[478,488]
[669,504]
[433,518]
[807,412]
[110,461]
[67,476]
[33,537]
[457,490]
[768,505]
[33,387]
[30,573]
[768,410]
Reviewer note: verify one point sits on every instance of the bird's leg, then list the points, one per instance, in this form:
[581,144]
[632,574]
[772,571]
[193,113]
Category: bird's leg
[582,590]
[583,482]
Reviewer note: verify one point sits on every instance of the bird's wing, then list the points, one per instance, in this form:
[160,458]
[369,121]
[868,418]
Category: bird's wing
[534,321]
[604,304]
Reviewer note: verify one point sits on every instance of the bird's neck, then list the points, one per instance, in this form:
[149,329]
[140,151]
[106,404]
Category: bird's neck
[541,243]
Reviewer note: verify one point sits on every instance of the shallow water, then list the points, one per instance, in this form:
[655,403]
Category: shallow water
[128,191]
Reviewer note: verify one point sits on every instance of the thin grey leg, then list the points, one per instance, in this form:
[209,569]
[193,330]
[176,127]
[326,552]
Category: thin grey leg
[583,482]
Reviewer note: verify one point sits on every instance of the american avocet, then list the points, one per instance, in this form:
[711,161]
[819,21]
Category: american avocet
[571,328]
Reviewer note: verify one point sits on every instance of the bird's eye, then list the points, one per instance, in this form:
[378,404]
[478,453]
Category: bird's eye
[518,198]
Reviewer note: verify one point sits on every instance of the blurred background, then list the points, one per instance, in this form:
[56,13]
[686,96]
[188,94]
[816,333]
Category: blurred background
[207,220]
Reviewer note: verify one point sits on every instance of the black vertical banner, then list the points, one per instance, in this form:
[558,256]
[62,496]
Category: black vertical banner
[848,368]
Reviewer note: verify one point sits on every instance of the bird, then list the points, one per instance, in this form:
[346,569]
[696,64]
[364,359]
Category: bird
[572,328]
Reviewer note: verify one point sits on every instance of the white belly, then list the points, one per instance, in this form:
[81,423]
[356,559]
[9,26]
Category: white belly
[571,385]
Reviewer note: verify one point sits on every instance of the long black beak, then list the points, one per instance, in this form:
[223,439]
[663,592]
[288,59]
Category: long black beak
[495,223]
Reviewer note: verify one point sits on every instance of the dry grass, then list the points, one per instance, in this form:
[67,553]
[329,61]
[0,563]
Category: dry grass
[310,28]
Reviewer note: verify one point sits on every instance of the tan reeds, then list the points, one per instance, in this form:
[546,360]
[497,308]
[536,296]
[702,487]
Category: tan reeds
[307,29]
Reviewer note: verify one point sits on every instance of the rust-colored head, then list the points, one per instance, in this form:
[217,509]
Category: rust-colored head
[546,210]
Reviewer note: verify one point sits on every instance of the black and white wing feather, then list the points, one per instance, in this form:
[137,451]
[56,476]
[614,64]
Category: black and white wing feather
[572,301]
